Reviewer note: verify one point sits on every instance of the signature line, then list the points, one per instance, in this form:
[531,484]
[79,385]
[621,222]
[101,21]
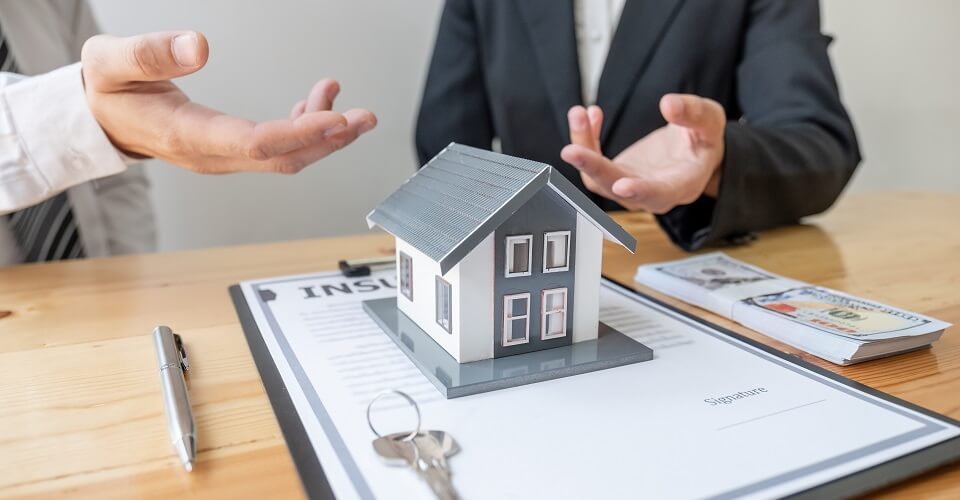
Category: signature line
[770,414]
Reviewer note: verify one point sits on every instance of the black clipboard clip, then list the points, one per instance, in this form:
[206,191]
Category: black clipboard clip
[362,267]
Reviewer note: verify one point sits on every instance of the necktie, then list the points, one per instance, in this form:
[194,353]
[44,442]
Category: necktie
[46,231]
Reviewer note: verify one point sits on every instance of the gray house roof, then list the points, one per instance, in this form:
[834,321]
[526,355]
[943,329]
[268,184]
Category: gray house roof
[463,194]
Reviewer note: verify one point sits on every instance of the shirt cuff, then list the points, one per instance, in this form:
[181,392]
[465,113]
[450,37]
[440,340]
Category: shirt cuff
[61,139]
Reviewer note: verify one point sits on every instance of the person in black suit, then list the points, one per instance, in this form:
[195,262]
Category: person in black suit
[722,117]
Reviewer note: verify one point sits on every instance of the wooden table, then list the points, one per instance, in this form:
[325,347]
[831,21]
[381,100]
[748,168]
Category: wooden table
[80,408]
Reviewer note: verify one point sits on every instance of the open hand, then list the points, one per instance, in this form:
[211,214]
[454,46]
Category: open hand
[673,165]
[128,88]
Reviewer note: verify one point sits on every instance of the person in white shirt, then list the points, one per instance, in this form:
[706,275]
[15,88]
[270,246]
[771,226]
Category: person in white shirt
[69,137]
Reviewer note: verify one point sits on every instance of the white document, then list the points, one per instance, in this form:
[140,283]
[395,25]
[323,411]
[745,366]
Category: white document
[709,416]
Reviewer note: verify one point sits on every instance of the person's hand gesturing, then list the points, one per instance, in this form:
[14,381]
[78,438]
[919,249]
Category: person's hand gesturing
[671,166]
[128,88]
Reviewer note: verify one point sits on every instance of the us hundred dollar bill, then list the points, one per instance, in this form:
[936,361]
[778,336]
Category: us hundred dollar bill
[832,312]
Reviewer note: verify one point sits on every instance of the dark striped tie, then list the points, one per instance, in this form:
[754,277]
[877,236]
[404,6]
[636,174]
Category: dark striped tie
[46,231]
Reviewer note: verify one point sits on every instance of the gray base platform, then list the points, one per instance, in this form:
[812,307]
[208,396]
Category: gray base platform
[453,379]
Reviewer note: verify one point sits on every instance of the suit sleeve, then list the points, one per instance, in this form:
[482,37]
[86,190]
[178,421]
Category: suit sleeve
[454,106]
[83,25]
[794,148]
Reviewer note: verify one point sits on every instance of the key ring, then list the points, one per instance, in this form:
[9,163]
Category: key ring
[416,408]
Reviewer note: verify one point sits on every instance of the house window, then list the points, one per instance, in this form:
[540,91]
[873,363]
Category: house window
[556,251]
[406,275]
[553,320]
[516,319]
[519,255]
[444,305]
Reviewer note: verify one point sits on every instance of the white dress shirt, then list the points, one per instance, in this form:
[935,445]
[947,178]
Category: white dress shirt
[595,22]
[50,142]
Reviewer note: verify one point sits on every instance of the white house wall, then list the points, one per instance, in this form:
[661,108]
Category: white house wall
[476,302]
[586,295]
[422,309]
[472,304]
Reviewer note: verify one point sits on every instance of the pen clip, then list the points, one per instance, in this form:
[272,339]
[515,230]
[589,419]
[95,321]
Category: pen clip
[181,352]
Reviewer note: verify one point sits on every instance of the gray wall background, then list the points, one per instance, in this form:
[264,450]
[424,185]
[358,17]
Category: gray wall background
[896,62]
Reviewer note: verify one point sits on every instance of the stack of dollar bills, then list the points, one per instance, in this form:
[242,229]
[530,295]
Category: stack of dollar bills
[824,322]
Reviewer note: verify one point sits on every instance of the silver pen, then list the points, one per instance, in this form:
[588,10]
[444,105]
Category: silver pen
[176,404]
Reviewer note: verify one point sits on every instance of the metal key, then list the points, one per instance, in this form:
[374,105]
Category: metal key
[395,451]
[435,447]
[426,453]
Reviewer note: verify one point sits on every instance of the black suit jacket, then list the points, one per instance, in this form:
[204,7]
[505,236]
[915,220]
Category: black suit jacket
[508,69]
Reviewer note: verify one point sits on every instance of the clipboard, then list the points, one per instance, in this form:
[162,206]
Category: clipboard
[316,485]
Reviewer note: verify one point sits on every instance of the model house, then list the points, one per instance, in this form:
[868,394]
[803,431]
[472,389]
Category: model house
[497,255]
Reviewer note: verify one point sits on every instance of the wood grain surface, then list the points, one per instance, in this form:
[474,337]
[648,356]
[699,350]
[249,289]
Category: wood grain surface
[80,407]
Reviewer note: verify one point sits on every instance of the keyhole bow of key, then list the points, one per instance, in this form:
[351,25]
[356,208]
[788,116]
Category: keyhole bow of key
[426,454]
